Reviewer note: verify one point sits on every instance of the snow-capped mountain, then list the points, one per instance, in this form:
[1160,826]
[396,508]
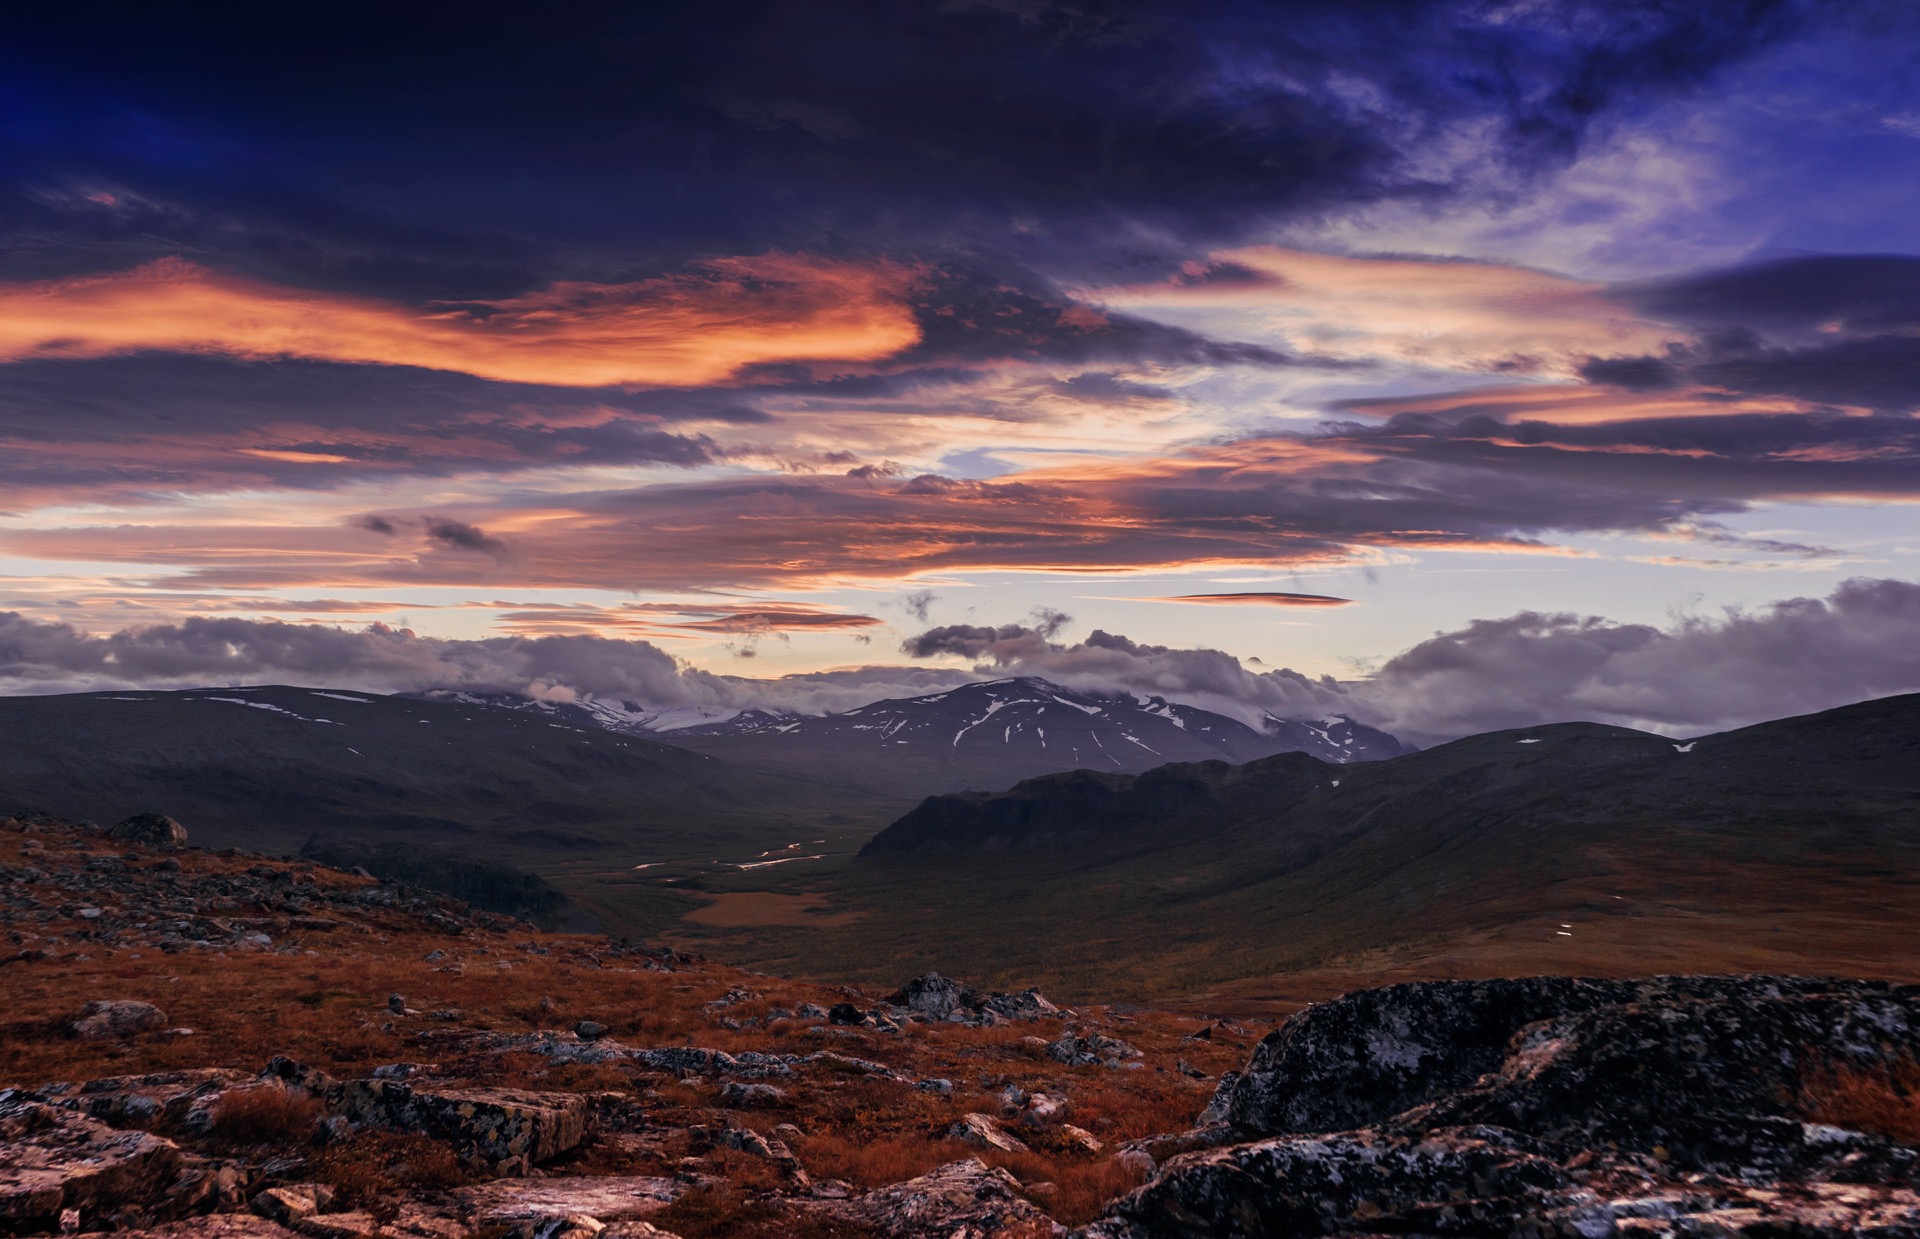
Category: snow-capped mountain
[995,733]
[978,736]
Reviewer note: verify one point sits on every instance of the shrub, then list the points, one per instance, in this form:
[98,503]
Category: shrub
[264,1114]
[1881,1100]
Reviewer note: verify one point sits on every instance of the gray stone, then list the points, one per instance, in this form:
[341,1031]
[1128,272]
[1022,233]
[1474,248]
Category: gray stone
[980,1129]
[117,1017]
[155,830]
[960,1198]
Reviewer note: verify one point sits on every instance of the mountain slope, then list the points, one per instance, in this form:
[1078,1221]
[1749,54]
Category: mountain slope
[1792,845]
[268,767]
[1856,765]
[992,734]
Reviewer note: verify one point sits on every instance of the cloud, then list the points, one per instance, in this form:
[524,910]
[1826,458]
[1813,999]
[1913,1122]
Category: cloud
[1502,471]
[459,536]
[1271,599]
[1697,674]
[1005,644]
[39,657]
[1701,674]
[696,327]
[1704,674]
[1455,315]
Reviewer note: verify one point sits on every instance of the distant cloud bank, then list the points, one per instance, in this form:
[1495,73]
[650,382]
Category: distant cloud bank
[1791,657]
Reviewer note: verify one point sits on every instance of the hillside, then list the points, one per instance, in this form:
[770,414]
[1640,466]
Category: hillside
[276,769]
[1793,845]
[211,1045]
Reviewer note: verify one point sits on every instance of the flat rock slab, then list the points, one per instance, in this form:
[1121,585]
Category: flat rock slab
[52,1159]
[609,1198]
[214,1226]
[496,1123]
[960,1198]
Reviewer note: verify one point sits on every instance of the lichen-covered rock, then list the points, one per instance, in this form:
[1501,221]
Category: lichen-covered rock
[154,830]
[509,1202]
[1369,1055]
[981,1130]
[496,1124]
[117,1017]
[1449,1181]
[960,1198]
[157,1099]
[936,997]
[1028,1004]
[1081,1048]
[1705,1083]
[53,1160]
[1547,1106]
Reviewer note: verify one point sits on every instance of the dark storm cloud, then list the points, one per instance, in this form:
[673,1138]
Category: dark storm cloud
[460,536]
[1856,293]
[1881,373]
[1001,645]
[1833,329]
[483,150]
[1719,462]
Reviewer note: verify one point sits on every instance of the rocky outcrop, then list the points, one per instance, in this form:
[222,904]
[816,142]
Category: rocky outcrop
[1549,1106]
[117,1017]
[960,1198]
[55,1163]
[154,830]
[934,997]
[492,1125]
[980,1129]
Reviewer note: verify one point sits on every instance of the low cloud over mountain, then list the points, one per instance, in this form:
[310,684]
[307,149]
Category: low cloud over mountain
[1793,656]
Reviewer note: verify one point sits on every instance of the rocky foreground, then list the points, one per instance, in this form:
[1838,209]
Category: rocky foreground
[221,1044]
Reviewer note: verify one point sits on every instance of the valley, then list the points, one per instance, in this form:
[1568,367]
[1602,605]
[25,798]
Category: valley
[1204,885]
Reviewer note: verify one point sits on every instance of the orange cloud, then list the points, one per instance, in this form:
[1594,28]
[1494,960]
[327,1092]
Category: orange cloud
[1456,315]
[686,329]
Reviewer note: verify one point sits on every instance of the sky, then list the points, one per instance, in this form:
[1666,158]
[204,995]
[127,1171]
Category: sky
[1447,364]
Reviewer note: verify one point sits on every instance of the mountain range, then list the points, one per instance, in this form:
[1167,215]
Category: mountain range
[801,845]
[984,735]
[1793,844]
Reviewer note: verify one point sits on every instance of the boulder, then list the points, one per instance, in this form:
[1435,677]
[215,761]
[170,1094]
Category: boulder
[1025,1005]
[1446,1182]
[1546,1106]
[292,1204]
[735,1093]
[154,830]
[117,1017]
[1639,1063]
[935,997]
[981,1130]
[1079,1048]
[960,1198]
[495,1124]
[609,1198]
[54,1161]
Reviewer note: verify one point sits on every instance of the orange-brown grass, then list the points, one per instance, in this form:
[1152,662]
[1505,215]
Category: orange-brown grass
[1081,1188]
[875,1161]
[1882,1100]
[329,1009]
[264,1114]
[369,1169]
